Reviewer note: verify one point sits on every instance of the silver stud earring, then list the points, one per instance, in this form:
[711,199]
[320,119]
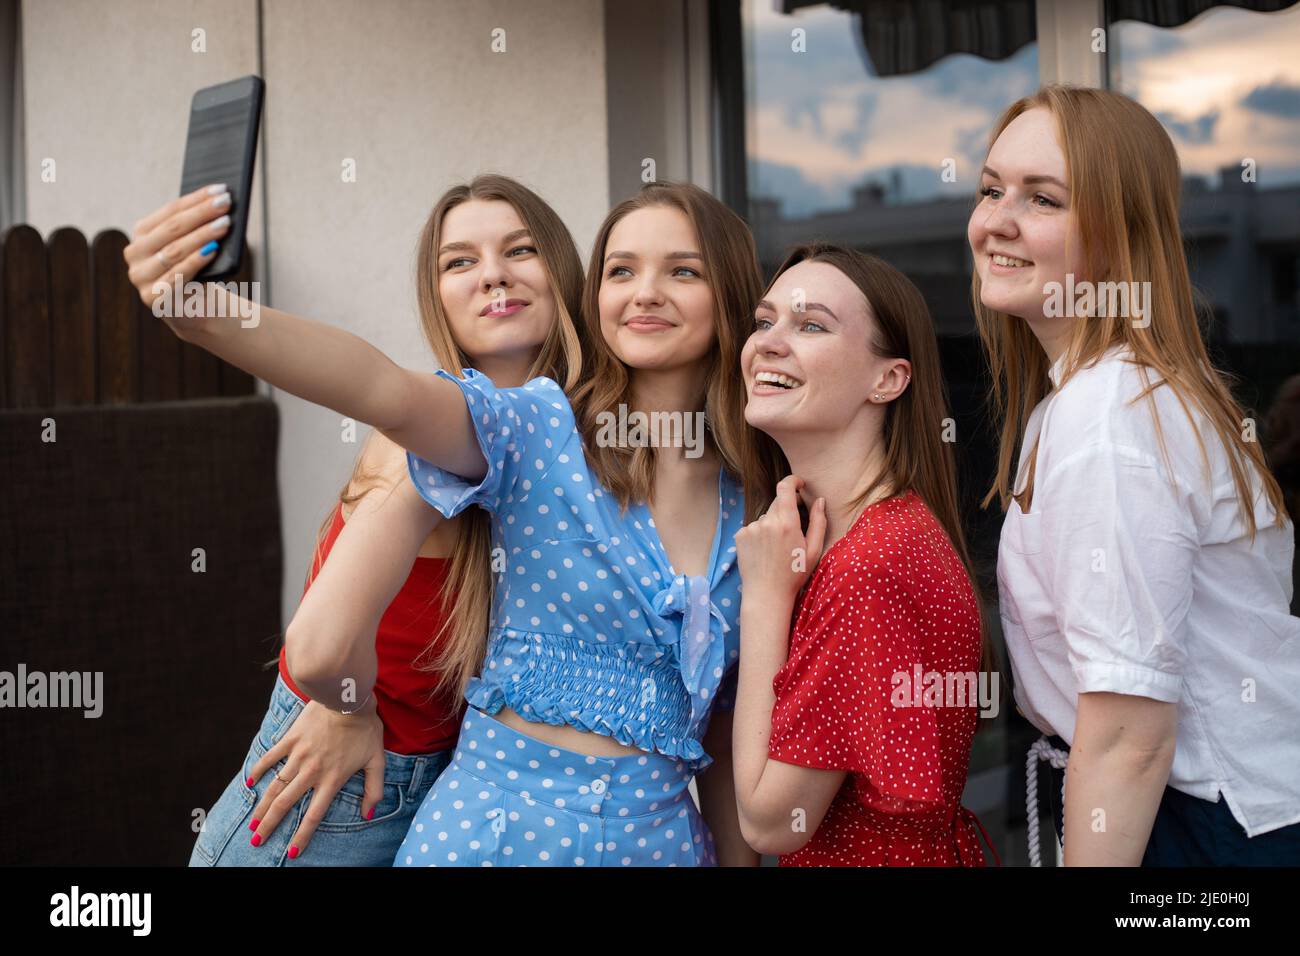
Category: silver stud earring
[879,397]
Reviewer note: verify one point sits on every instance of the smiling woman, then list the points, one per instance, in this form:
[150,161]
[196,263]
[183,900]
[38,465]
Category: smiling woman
[844,374]
[1143,525]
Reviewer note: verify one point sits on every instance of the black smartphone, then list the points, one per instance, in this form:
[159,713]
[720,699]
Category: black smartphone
[220,148]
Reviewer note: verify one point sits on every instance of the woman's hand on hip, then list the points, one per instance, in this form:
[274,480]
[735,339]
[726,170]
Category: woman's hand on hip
[321,750]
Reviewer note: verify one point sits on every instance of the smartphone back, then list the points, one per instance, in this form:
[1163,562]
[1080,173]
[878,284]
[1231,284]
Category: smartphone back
[220,148]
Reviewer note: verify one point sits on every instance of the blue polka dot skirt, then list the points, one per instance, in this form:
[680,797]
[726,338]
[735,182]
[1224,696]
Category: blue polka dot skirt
[508,799]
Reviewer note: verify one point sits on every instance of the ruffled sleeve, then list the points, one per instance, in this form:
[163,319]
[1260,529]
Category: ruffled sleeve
[520,432]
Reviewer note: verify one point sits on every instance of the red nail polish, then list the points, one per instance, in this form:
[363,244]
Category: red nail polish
[252,824]
[249,783]
[371,814]
[257,839]
[293,853]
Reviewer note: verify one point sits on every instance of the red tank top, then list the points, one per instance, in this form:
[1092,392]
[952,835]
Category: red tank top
[415,722]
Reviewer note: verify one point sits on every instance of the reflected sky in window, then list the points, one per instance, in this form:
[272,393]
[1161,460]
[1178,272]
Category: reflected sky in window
[1225,85]
[821,123]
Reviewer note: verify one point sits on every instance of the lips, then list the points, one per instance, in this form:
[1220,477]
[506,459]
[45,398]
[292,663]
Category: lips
[770,382]
[647,323]
[508,307]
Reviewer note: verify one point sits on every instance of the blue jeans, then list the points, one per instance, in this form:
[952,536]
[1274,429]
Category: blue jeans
[1189,831]
[343,838]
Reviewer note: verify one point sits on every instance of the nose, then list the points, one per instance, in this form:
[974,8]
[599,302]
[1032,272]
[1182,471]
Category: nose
[496,272]
[647,290]
[771,340]
[1000,221]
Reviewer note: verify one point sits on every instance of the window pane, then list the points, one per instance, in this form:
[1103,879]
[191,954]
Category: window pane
[889,165]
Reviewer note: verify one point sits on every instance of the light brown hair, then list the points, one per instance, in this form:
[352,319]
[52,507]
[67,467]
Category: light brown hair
[731,269]
[456,651]
[1124,190]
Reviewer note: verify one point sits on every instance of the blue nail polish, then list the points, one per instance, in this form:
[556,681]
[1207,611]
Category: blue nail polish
[209,248]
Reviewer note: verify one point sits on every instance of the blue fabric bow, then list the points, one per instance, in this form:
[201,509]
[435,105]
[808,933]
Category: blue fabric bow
[699,657]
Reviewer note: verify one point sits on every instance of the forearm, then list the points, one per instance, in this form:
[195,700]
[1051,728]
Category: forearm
[1116,776]
[341,371]
[764,640]
[717,789]
[313,360]
[332,635]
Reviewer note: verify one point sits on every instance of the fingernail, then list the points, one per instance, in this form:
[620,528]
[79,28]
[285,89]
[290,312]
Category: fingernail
[257,839]
[220,201]
[253,824]
[219,224]
[207,250]
[293,853]
[217,188]
[371,814]
[249,781]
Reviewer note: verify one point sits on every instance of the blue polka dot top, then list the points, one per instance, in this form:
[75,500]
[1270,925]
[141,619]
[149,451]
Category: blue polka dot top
[590,625]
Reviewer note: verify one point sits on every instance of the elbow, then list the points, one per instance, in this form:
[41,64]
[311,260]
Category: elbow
[304,663]
[1147,758]
[775,837]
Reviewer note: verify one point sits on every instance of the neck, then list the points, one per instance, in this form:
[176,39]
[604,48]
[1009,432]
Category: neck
[839,466]
[668,390]
[505,371]
[1053,335]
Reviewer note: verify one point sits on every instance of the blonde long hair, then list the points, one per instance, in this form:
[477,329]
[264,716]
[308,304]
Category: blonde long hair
[1124,188]
[455,652]
[731,263]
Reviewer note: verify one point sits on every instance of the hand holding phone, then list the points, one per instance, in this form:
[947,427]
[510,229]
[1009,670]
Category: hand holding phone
[220,147]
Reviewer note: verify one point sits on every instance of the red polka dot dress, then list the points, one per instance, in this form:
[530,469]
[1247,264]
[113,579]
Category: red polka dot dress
[888,596]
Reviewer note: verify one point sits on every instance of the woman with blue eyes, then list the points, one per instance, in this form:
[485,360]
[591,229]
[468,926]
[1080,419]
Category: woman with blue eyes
[843,755]
[614,636]
[1144,569]
[334,782]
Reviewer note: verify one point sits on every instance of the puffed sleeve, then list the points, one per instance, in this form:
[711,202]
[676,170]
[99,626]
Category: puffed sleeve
[836,707]
[520,431]
[1119,539]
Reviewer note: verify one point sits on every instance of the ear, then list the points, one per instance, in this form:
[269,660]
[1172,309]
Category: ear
[894,380]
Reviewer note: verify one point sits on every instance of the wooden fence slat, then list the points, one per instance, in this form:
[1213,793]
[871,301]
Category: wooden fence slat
[72,323]
[200,372]
[27,320]
[4,334]
[160,357]
[116,316]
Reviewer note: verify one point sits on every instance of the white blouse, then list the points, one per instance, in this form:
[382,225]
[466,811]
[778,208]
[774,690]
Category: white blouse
[1123,580]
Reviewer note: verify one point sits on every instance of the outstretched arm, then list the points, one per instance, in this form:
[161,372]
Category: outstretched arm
[312,360]
[332,636]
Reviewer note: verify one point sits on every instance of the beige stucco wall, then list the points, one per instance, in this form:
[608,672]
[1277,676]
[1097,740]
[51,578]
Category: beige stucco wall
[408,89]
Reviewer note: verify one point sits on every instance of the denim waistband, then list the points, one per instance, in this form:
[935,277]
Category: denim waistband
[415,772]
[632,785]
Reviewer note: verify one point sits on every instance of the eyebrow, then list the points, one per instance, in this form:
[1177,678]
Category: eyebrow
[505,240]
[622,254]
[1028,180]
[807,307]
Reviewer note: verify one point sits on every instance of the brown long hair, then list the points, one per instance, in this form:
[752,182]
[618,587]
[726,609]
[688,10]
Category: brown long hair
[456,651]
[916,456]
[731,264]
[1124,188]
